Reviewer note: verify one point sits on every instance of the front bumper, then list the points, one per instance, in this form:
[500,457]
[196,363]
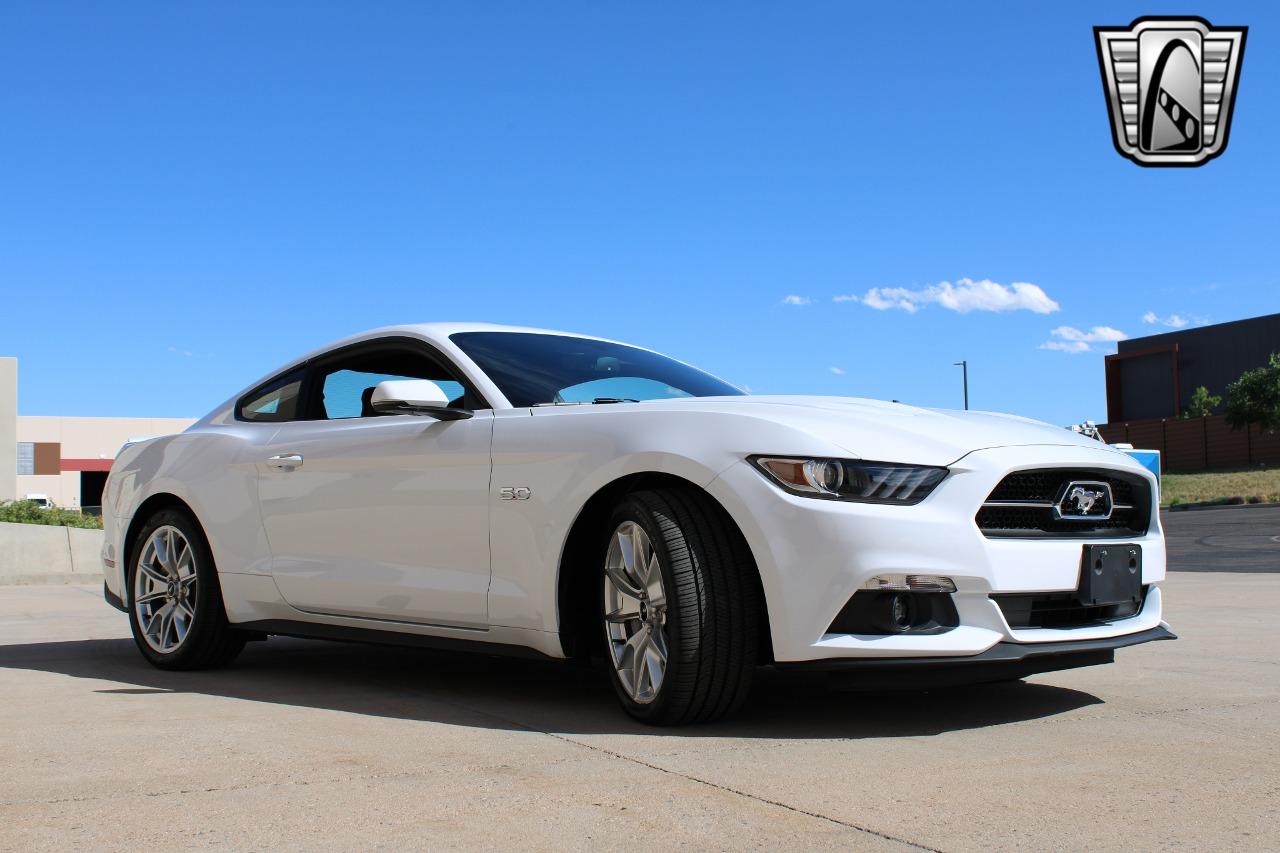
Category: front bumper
[112,555]
[1001,662]
[814,555]
[114,600]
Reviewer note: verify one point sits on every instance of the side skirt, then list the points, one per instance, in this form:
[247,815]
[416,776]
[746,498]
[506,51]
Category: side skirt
[345,634]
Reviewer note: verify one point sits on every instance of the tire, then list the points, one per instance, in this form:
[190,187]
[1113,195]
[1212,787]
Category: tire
[708,622]
[196,634]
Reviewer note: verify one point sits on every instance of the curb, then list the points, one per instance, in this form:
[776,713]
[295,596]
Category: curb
[1200,506]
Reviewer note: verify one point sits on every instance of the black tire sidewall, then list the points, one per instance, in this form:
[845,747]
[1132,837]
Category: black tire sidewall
[633,510]
[208,594]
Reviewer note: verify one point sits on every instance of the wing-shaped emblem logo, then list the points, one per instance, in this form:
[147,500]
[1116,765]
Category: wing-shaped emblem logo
[1170,85]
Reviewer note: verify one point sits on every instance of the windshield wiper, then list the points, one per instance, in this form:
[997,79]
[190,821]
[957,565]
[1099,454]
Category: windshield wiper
[588,402]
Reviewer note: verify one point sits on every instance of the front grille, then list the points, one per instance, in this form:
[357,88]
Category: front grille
[1061,610]
[1022,505]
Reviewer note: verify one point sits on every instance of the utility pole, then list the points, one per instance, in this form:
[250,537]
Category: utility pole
[965,366]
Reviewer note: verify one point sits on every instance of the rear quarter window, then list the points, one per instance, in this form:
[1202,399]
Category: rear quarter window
[274,402]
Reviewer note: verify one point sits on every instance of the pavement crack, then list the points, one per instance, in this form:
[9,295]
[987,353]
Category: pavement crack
[688,777]
[758,798]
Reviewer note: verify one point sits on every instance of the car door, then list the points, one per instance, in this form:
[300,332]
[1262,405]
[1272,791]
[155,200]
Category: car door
[379,517]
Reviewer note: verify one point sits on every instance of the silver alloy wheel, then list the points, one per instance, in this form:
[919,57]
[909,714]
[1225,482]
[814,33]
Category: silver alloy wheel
[164,589]
[635,612]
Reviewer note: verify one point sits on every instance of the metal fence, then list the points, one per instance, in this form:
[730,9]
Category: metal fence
[1197,444]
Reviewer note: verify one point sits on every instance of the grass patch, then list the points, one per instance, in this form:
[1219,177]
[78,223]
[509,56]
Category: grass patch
[1252,485]
[29,512]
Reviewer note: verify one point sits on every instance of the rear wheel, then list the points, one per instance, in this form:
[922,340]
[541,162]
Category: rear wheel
[680,605]
[175,605]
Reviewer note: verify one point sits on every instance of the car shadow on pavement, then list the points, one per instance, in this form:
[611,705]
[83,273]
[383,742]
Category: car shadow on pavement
[508,693]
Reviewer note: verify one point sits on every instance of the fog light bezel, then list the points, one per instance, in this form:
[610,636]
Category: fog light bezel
[869,612]
[908,582]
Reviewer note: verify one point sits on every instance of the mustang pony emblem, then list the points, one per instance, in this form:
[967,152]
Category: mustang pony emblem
[1085,500]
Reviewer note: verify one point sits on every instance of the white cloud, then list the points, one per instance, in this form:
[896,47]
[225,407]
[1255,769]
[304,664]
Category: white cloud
[1072,347]
[793,299]
[1098,334]
[962,297]
[884,298]
[1073,340]
[838,371]
[1173,321]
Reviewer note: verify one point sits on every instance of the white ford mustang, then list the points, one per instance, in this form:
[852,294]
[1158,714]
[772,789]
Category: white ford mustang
[521,490]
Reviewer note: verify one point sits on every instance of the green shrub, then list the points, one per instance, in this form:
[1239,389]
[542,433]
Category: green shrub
[1254,398]
[29,512]
[1202,403]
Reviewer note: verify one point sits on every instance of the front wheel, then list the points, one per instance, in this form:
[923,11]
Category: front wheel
[681,608]
[175,606]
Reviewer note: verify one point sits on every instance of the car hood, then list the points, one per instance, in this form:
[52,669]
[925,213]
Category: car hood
[894,432]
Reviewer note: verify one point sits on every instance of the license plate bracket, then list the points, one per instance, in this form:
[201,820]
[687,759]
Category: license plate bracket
[1110,574]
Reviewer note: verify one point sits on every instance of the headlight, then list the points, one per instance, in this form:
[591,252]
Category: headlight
[850,479]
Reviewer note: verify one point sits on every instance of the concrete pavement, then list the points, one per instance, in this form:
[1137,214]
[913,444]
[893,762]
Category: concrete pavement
[1224,539]
[312,745]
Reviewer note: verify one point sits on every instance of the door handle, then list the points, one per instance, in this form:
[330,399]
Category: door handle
[286,462]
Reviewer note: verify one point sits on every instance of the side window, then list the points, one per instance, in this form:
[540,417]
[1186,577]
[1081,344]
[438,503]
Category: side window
[345,385]
[274,402]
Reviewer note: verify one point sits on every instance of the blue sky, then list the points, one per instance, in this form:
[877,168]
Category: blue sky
[191,194]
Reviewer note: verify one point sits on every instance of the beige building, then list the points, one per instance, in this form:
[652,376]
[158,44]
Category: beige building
[8,428]
[63,458]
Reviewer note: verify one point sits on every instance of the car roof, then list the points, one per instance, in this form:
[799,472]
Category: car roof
[441,331]
[436,334]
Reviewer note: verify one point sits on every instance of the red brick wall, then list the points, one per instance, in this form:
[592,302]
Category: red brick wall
[1195,444]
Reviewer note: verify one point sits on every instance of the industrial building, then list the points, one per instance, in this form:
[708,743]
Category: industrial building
[65,458]
[1155,376]
[1150,381]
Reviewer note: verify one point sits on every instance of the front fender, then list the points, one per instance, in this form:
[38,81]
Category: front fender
[213,474]
[564,456]
[528,536]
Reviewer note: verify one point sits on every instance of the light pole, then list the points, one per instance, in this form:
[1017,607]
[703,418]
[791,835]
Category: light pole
[964,365]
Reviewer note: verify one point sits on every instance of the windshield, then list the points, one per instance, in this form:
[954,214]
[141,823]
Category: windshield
[533,369]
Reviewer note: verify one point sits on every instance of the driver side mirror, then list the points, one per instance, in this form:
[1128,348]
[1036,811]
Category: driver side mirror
[414,397]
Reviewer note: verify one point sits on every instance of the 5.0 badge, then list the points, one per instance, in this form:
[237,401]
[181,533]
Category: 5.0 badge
[515,493]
